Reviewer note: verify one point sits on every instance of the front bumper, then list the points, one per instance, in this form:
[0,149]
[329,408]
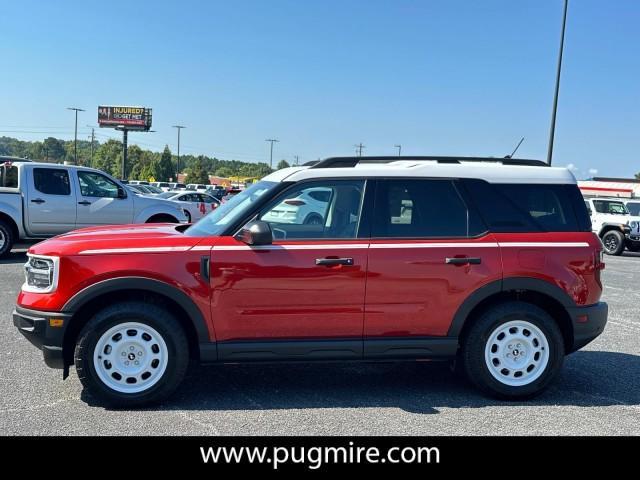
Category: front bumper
[45,330]
[588,322]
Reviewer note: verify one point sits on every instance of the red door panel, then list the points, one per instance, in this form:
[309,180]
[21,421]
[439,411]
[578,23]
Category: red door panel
[413,291]
[278,291]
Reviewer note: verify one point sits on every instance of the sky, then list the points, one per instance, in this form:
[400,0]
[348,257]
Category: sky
[439,77]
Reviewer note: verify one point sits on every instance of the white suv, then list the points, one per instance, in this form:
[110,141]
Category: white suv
[308,208]
[612,222]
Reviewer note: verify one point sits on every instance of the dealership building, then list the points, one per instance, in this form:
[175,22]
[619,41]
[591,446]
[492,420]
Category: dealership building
[610,187]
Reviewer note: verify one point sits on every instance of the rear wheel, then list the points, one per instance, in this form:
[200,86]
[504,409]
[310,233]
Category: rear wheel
[613,242]
[313,219]
[162,219]
[131,354]
[6,238]
[513,351]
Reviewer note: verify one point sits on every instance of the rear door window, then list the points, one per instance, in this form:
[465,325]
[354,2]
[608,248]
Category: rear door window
[51,181]
[422,208]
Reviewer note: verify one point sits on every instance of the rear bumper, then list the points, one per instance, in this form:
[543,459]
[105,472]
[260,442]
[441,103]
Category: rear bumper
[37,327]
[588,322]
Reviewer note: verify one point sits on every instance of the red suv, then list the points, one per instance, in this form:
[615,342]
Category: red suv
[487,262]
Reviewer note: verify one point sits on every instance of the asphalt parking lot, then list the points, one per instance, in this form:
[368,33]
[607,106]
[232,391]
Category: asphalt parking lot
[597,393]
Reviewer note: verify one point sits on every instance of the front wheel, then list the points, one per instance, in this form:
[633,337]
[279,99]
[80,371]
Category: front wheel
[130,354]
[513,351]
[6,239]
[613,242]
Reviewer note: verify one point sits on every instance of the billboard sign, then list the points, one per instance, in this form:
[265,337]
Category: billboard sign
[131,118]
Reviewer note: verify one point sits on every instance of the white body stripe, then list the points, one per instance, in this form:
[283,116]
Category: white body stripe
[340,246]
[134,250]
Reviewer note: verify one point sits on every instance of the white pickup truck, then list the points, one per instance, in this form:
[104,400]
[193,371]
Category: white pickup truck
[40,200]
[613,223]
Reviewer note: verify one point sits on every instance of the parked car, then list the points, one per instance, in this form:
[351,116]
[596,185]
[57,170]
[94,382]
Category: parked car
[164,186]
[177,186]
[196,205]
[309,208]
[197,186]
[40,200]
[217,191]
[612,222]
[488,263]
[138,182]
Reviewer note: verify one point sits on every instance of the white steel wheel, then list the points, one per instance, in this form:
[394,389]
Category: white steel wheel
[517,353]
[130,357]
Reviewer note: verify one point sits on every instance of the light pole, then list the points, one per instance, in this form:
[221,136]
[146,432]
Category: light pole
[272,141]
[75,140]
[552,130]
[399,147]
[93,138]
[359,148]
[179,127]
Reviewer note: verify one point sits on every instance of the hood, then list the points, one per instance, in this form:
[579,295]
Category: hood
[148,236]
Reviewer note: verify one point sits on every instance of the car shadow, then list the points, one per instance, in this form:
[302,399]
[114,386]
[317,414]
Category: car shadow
[14,257]
[589,378]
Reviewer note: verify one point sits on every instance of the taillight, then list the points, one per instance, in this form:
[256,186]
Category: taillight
[295,202]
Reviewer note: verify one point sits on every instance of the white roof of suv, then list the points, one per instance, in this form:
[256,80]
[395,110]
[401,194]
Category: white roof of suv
[493,170]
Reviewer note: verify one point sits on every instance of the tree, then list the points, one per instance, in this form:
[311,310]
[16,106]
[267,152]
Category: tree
[108,157]
[637,176]
[282,164]
[225,172]
[53,149]
[165,169]
[197,173]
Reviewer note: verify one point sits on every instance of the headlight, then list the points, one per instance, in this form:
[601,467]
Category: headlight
[41,274]
[634,225]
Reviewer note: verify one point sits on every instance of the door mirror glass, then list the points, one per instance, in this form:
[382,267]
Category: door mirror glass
[255,233]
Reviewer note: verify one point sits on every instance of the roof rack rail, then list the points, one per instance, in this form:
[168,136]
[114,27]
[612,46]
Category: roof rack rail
[347,162]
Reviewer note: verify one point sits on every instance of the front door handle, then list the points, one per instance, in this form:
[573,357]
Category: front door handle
[84,202]
[329,262]
[37,200]
[463,261]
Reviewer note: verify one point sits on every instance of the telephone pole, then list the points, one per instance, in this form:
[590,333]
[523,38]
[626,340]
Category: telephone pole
[297,157]
[359,148]
[272,141]
[179,127]
[399,147]
[93,139]
[552,130]
[75,139]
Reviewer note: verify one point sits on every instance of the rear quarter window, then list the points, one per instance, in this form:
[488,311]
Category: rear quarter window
[530,207]
[634,208]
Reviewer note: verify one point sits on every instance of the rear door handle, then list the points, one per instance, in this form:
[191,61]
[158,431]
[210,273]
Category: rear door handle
[37,200]
[328,262]
[463,261]
[84,202]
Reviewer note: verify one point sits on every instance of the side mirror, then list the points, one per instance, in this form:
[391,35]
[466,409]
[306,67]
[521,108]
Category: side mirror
[256,233]
[121,193]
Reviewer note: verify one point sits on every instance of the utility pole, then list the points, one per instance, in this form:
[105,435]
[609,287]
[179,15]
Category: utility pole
[272,141]
[552,130]
[75,140]
[93,139]
[399,147]
[297,157]
[359,148]
[179,127]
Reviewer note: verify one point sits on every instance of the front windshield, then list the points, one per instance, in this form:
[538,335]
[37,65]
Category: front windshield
[634,209]
[215,222]
[610,207]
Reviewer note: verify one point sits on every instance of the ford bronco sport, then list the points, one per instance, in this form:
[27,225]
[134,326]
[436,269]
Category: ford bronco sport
[490,263]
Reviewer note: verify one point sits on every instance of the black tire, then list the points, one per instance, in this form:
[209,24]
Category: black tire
[162,218]
[6,238]
[613,242]
[313,219]
[163,322]
[476,339]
